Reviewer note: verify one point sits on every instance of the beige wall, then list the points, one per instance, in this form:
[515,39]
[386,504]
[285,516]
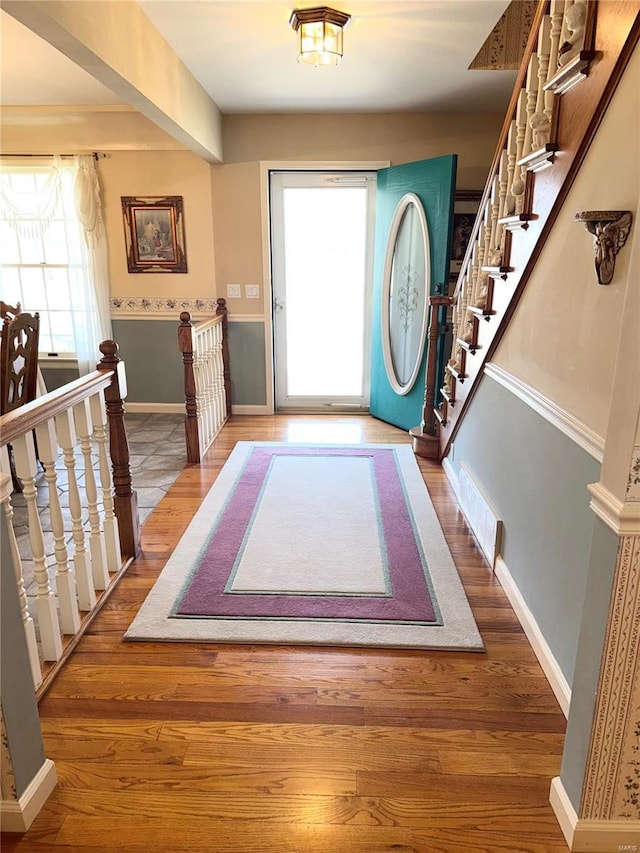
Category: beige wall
[563,338]
[160,173]
[398,138]
[225,201]
[74,130]
[118,45]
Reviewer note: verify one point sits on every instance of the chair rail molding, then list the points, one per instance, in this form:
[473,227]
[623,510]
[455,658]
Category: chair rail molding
[563,420]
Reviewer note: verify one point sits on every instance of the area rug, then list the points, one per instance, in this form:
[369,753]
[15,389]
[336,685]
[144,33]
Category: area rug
[323,544]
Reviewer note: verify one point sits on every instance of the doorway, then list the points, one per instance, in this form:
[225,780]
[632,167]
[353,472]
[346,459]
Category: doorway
[322,232]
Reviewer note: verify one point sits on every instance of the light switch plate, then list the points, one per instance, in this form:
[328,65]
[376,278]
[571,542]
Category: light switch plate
[252,291]
[234,291]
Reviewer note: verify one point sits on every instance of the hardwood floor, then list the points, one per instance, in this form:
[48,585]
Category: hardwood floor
[267,749]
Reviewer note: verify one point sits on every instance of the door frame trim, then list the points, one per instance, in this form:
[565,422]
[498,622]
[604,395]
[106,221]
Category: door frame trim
[267,166]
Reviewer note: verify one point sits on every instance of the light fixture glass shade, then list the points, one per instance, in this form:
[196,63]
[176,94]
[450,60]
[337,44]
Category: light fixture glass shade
[319,35]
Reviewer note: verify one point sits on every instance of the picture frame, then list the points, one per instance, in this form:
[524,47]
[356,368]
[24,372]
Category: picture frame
[465,210]
[154,233]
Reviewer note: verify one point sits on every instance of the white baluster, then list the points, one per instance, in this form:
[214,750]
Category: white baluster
[519,184]
[540,123]
[65,580]
[532,99]
[84,428]
[111,534]
[573,31]
[66,432]
[509,204]
[557,13]
[27,622]
[494,257]
[25,461]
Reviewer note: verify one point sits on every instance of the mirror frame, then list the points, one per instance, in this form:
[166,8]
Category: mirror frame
[407,200]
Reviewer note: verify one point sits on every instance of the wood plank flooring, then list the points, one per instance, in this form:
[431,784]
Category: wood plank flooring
[266,749]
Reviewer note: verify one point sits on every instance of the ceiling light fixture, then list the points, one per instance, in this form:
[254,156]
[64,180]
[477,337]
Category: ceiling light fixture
[319,34]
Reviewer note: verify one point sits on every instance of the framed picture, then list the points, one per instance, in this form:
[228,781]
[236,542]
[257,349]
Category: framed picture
[154,233]
[464,215]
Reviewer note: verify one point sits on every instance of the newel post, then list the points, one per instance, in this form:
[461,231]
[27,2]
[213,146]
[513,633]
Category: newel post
[185,345]
[221,311]
[426,442]
[125,499]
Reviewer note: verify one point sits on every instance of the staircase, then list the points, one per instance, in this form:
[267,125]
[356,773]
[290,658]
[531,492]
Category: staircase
[576,55]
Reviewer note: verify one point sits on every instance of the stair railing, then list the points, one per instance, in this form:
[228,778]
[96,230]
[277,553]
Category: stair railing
[207,383]
[77,429]
[539,152]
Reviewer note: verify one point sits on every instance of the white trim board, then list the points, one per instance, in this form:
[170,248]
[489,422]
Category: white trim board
[569,425]
[18,815]
[546,659]
[591,836]
[251,410]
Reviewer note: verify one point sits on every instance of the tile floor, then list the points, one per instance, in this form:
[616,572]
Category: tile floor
[157,455]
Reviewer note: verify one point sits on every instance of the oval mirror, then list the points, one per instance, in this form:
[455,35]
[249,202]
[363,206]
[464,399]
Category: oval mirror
[405,291]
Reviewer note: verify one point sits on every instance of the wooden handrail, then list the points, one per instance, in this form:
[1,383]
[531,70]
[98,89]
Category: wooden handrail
[27,417]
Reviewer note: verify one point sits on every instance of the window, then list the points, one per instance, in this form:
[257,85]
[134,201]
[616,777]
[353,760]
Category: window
[41,261]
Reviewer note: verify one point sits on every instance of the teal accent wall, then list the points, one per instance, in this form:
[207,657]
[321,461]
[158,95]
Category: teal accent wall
[536,478]
[19,707]
[247,364]
[149,349]
[604,553]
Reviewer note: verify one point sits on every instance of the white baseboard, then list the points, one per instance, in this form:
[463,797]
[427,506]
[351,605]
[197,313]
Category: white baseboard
[452,477]
[563,810]
[18,815]
[592,836]
[251,410]
[155,408]
[546,659]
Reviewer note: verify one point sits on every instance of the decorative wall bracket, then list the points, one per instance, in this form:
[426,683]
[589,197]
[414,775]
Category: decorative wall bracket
[610,229]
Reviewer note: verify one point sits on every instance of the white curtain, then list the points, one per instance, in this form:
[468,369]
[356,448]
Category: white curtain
[95,326]
[31,213]
[21,208]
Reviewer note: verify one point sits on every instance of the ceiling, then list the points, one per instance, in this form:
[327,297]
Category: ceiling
[399,55]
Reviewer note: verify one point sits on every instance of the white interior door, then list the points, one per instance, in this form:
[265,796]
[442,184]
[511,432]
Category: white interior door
[322,228]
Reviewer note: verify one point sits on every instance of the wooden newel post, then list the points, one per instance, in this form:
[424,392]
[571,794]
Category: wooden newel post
[185,345]
[222,311]
[125,499]
[425,437]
